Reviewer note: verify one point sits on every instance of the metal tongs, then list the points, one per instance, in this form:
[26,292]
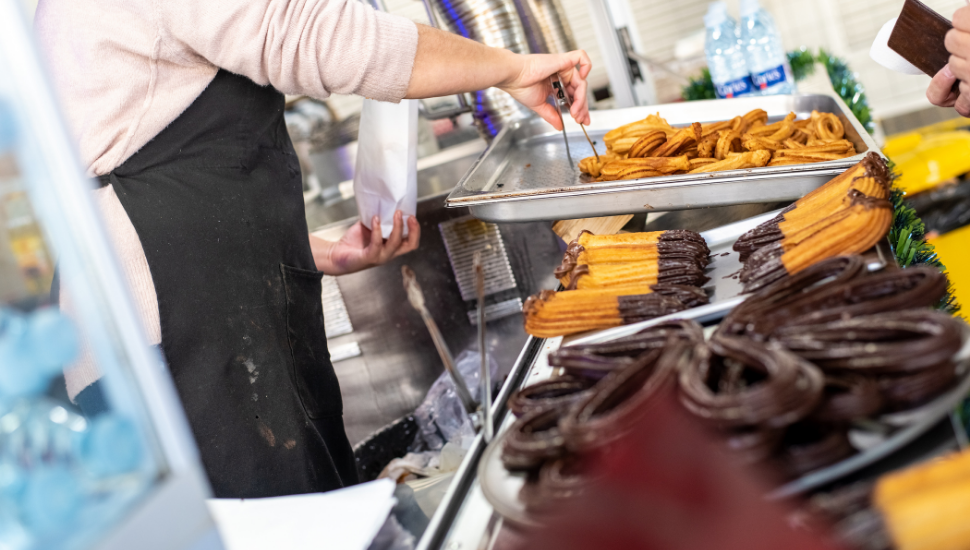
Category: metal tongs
[480,416]
[562,100]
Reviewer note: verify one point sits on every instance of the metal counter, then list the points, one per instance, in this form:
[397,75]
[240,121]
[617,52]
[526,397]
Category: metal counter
[466,520]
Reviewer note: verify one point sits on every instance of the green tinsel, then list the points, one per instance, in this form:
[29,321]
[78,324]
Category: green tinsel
[907,237]
[802,63]
[701,87]
[849,89]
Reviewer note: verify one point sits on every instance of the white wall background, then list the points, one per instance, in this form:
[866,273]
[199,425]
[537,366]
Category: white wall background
[843,27]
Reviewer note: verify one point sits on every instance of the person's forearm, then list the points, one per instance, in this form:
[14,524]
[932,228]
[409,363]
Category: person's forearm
[447,63]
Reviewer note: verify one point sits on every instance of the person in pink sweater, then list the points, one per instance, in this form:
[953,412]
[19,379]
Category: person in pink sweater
[177,108]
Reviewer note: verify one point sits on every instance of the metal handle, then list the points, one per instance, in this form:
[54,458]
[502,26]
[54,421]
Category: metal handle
[416,298]
[486,375]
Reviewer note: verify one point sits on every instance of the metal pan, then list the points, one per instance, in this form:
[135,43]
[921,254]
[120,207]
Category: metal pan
[501,487]
[524,174]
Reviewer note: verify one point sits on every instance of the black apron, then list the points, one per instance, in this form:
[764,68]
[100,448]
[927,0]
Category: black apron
[217,201]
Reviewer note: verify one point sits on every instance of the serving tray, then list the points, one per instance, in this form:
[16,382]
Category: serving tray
[524,174]
[501,487]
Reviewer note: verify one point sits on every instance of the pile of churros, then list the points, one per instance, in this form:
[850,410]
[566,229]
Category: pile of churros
[613,280]
[848,215]
[652,147]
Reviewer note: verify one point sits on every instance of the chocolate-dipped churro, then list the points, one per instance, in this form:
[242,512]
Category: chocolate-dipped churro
[743,383]
[871,177]
[550,314]
[560,391]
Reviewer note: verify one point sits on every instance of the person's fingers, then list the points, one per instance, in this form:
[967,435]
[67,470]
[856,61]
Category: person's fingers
[962,105]
[580,58]
[414,237]
[580,107]
[960,67]
[957,43]
[395,238]
[961,19]
[549,114]
[373,250]
[939,92]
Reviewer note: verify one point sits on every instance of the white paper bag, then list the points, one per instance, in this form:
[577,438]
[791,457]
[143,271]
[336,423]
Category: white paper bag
[386,176]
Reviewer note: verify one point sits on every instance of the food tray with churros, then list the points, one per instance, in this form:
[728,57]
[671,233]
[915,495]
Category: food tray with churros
[665,157]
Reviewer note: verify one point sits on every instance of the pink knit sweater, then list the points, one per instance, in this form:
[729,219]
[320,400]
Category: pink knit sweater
[125,69]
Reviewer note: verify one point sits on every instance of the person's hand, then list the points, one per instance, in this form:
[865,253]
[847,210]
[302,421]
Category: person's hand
[361,248]
[940,91]
[532,87]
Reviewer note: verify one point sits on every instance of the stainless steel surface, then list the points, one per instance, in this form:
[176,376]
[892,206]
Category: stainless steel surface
[466,237]
[466,517]
[494,23]
[546,26]
[498,310]
[524,176]
[398,362]
[335,317]
[485,377]
[416,299]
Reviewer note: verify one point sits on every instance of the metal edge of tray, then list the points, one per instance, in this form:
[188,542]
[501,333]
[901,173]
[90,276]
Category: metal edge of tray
[443,518]
[701,314]
[486,205]
[724,191]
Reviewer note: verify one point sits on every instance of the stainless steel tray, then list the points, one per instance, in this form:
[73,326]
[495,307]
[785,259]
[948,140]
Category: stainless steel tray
[501,487]
[524,174]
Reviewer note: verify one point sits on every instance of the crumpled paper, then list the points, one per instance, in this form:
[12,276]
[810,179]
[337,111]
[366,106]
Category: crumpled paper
[386,175]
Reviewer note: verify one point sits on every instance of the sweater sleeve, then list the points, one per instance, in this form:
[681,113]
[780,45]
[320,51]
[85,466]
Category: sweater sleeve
[311,47]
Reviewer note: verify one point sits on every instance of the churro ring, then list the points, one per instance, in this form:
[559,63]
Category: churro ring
[591,166]
[752,119]
[827,126]
[647,144]
[728,141]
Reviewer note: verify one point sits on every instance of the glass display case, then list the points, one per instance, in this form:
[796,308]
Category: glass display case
[128,474]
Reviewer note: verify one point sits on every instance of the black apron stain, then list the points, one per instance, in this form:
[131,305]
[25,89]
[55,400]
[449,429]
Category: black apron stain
[217,201]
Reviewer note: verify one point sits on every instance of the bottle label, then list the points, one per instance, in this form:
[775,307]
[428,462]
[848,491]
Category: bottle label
[734,88]
[769,78]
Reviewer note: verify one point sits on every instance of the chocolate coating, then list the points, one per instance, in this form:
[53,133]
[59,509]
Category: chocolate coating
[561,391]
[621,398]
[808,447]
[848,397]
[912,390]
[643,307]
[533,439]
[745,383]
[887,343]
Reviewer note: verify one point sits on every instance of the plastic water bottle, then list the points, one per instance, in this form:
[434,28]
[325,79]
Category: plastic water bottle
[770,72]
[725,60]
